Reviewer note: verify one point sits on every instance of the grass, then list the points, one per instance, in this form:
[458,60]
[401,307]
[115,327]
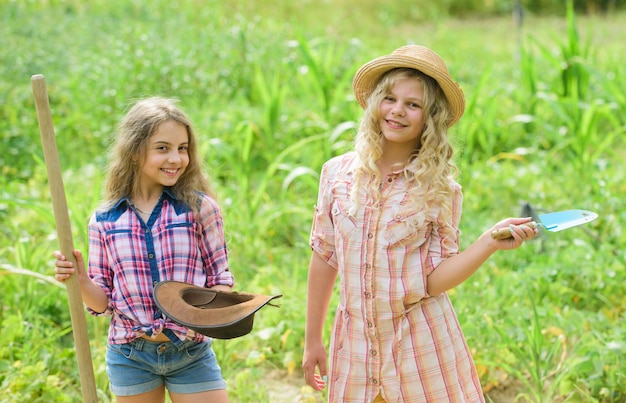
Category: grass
[269,93]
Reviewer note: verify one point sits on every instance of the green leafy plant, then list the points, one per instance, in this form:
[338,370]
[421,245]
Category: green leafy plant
[269,93]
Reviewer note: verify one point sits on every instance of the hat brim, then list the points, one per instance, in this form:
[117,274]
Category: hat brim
[367,77]
[217,314]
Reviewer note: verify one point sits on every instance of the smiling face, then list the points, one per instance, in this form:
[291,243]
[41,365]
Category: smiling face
[166,156]
[402,114]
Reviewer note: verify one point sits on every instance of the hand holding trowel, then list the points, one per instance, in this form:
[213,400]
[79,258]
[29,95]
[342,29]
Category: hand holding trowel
[552,222]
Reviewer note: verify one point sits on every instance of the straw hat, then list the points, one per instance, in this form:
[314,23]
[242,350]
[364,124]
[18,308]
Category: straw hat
[217,314]
[415,57]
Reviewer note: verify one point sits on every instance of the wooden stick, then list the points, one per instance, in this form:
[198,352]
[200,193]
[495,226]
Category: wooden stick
[64,233]
[505,233]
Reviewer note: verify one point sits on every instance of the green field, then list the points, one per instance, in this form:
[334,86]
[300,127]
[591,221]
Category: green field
[268,87]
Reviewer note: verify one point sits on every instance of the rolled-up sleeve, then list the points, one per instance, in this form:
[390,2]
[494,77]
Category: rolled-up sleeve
[99,268]
[442,243]
[322,239]
[213,245]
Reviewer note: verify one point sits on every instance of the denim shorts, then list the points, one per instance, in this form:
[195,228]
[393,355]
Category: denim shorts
[141,366]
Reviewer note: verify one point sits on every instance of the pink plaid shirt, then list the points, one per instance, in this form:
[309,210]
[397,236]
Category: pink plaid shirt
[123,251]
[390,336]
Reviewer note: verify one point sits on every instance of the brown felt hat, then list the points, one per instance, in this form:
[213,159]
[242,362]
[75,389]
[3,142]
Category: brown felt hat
[217,314]
[415,57]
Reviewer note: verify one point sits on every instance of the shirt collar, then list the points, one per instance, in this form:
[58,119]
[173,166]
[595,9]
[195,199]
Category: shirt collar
[117,209]
[167,191]
[410,168]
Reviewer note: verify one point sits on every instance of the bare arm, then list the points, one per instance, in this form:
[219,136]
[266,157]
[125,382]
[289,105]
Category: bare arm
[458,268]
[93,296]
[320,285]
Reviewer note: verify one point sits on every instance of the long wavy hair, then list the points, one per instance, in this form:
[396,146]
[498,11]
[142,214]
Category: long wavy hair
[431,169]
[128,153]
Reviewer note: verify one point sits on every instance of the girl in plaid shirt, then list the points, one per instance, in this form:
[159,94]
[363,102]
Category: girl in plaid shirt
[386,222]
[159,221]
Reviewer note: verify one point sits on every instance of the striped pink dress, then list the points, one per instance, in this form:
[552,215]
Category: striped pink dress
[390,337]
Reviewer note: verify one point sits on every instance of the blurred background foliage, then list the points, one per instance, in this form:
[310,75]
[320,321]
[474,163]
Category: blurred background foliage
[268,87]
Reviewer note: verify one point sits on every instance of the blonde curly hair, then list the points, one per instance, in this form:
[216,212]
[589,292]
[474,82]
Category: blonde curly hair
[432,169]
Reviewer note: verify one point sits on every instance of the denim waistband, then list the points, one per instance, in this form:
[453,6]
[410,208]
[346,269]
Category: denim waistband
[147,345]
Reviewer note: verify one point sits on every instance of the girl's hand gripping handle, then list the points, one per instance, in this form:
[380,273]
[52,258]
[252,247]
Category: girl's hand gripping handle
[505,233]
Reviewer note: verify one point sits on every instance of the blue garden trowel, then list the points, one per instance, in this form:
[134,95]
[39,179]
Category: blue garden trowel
[553,222]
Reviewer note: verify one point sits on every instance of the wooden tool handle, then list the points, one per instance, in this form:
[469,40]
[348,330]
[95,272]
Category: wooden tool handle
[64,234]
[505,233]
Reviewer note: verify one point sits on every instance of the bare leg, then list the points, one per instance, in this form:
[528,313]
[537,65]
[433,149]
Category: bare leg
[213,396]
[154,396]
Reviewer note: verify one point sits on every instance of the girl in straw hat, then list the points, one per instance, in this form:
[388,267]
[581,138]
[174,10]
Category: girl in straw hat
[387,222]
[159,222]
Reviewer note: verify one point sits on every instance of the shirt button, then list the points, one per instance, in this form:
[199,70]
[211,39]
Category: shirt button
[367,294]
[374,352]
[370,235]
[368,266]
[398,216]
[370,324]
[147,230]
[154,283]
[389,180]
[375,381]
[151,255]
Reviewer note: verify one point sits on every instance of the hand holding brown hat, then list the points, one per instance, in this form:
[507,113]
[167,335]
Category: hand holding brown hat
[217,314]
